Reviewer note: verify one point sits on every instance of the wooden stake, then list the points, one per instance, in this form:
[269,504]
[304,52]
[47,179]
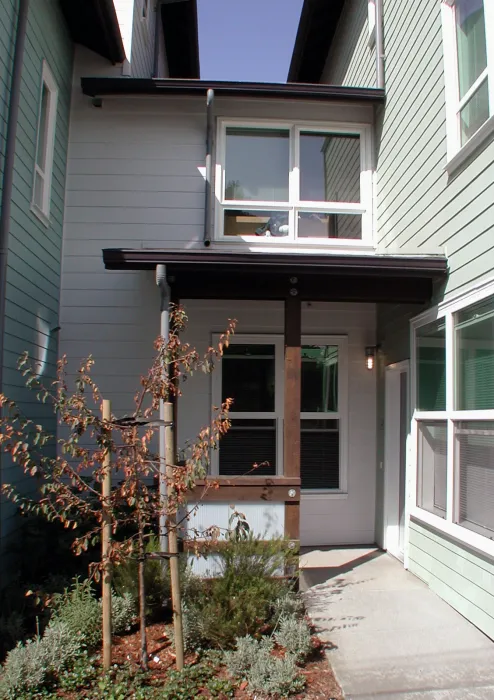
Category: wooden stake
[105,548]
[173,541]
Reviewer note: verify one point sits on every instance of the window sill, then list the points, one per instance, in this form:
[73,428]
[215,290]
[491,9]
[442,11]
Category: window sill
[310,246]
[45,220]
[473,146]
[461,535]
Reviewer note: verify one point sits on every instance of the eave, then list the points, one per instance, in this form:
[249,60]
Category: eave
[211,274]
[98,87]
[94,24]
[180,31]
[316,29]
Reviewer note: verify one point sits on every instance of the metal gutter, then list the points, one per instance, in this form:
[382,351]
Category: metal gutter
[98,87]
[434,266]
[9,163]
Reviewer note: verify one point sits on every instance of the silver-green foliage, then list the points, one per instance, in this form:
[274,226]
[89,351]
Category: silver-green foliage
[123,613]
[254,662]
[294,634]
[193,631]
[81,612]
[29,666]
[290,603]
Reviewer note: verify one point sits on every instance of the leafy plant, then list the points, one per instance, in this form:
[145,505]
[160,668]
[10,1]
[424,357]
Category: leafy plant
[188,683]
[242,599]
[254,662]
[79,610]
[156,580]
[123,613]
[294,635]
[38,662]
[80,674]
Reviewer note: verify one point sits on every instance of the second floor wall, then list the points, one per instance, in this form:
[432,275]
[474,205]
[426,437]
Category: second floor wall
[429,198]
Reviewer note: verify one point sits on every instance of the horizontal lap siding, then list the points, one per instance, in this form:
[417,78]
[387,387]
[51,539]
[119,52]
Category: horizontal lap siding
[463,578]
[350,60]
[34,255]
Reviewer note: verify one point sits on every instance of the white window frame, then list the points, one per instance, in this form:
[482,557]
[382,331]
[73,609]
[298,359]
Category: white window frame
[364,207]
[457,154]
[46,173]
[341,341]
[448,525]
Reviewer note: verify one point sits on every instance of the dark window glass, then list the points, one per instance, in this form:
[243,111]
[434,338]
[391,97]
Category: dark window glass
[248,377]
[329,167]
[249,448]
[320,454]
[475,357]
[431,366]
[319,378]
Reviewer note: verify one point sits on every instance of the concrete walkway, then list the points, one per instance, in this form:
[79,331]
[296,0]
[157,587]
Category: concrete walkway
[391,637]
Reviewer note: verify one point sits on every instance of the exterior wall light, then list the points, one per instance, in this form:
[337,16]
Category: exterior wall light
[370,356]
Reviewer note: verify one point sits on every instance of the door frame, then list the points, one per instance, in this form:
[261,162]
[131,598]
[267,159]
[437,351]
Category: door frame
[392,446]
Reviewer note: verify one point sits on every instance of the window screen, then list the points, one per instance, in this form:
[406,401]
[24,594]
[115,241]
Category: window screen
[432,459]
[247,443]
[475,442]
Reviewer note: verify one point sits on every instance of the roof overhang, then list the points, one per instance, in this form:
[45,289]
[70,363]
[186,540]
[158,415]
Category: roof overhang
[98,87]
[323,277]
[316,29]
[179,20]
[94,24]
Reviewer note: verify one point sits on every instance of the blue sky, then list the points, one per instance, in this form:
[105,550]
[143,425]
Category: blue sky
[247,39]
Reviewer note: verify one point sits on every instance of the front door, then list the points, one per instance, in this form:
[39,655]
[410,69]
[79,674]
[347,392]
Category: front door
[396,430]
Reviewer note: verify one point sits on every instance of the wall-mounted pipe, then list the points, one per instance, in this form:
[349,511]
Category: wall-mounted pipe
[8,163]
[380,58]
[209,167]
[164,288]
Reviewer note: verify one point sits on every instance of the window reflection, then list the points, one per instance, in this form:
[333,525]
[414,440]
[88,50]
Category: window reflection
[329,167]
[319,392]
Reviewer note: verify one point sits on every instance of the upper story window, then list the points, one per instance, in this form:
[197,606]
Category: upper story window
[145,9]
[45,145]
[469,69]
[294,183]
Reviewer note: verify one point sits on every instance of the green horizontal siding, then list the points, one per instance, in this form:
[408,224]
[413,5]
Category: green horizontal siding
[34,256]
[463,578]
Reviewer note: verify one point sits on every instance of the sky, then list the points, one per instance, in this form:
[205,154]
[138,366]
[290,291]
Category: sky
[247,40]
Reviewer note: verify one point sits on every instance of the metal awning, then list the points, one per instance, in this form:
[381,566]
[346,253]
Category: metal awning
[212,274]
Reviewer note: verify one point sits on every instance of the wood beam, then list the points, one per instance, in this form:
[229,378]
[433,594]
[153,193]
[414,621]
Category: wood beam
[291,430]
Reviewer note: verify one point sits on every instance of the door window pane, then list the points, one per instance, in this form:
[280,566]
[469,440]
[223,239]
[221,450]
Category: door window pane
[256,223]
[248,443]
[318,225]
[320,454]
[476,464]
[431,366]
[475,112]
[432,460]
[471,43]
[475,357]
[329,167]
[257,164]
[248,377]
[319,392]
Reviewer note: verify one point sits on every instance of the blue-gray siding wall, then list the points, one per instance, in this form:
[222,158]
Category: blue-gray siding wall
[34,255]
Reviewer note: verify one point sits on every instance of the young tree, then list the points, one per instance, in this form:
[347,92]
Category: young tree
[70,478]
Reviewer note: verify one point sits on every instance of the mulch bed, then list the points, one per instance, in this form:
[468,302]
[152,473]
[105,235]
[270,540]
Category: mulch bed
[321,683]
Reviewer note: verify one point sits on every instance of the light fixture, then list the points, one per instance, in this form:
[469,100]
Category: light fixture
[370,354]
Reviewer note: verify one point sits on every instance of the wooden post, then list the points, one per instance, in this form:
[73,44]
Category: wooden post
[105,547]
[291,433]
[173,540]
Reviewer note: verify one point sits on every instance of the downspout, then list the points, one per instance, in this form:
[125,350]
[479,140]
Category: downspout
[8,165]
[165,334]
[380,77]
[209,166]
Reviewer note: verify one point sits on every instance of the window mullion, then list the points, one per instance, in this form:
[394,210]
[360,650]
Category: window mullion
[472,90]
[451,463]
[294,180]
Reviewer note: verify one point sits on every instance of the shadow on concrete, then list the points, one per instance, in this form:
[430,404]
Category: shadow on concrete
[313,576]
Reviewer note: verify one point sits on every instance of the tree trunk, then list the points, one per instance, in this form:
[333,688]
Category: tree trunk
[142,601]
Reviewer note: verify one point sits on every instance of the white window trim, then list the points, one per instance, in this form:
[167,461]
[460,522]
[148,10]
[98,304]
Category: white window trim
[365,207]
[342,415]
[463,535]
[47,79]
[458,155]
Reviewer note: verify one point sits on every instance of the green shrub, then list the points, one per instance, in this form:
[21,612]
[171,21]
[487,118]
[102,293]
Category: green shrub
[156,581]
[242,600]
[123,613]
[188,683]
[254,662]
[289,604]
[80,673]
[80,611]
[30,666]
[294,635]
